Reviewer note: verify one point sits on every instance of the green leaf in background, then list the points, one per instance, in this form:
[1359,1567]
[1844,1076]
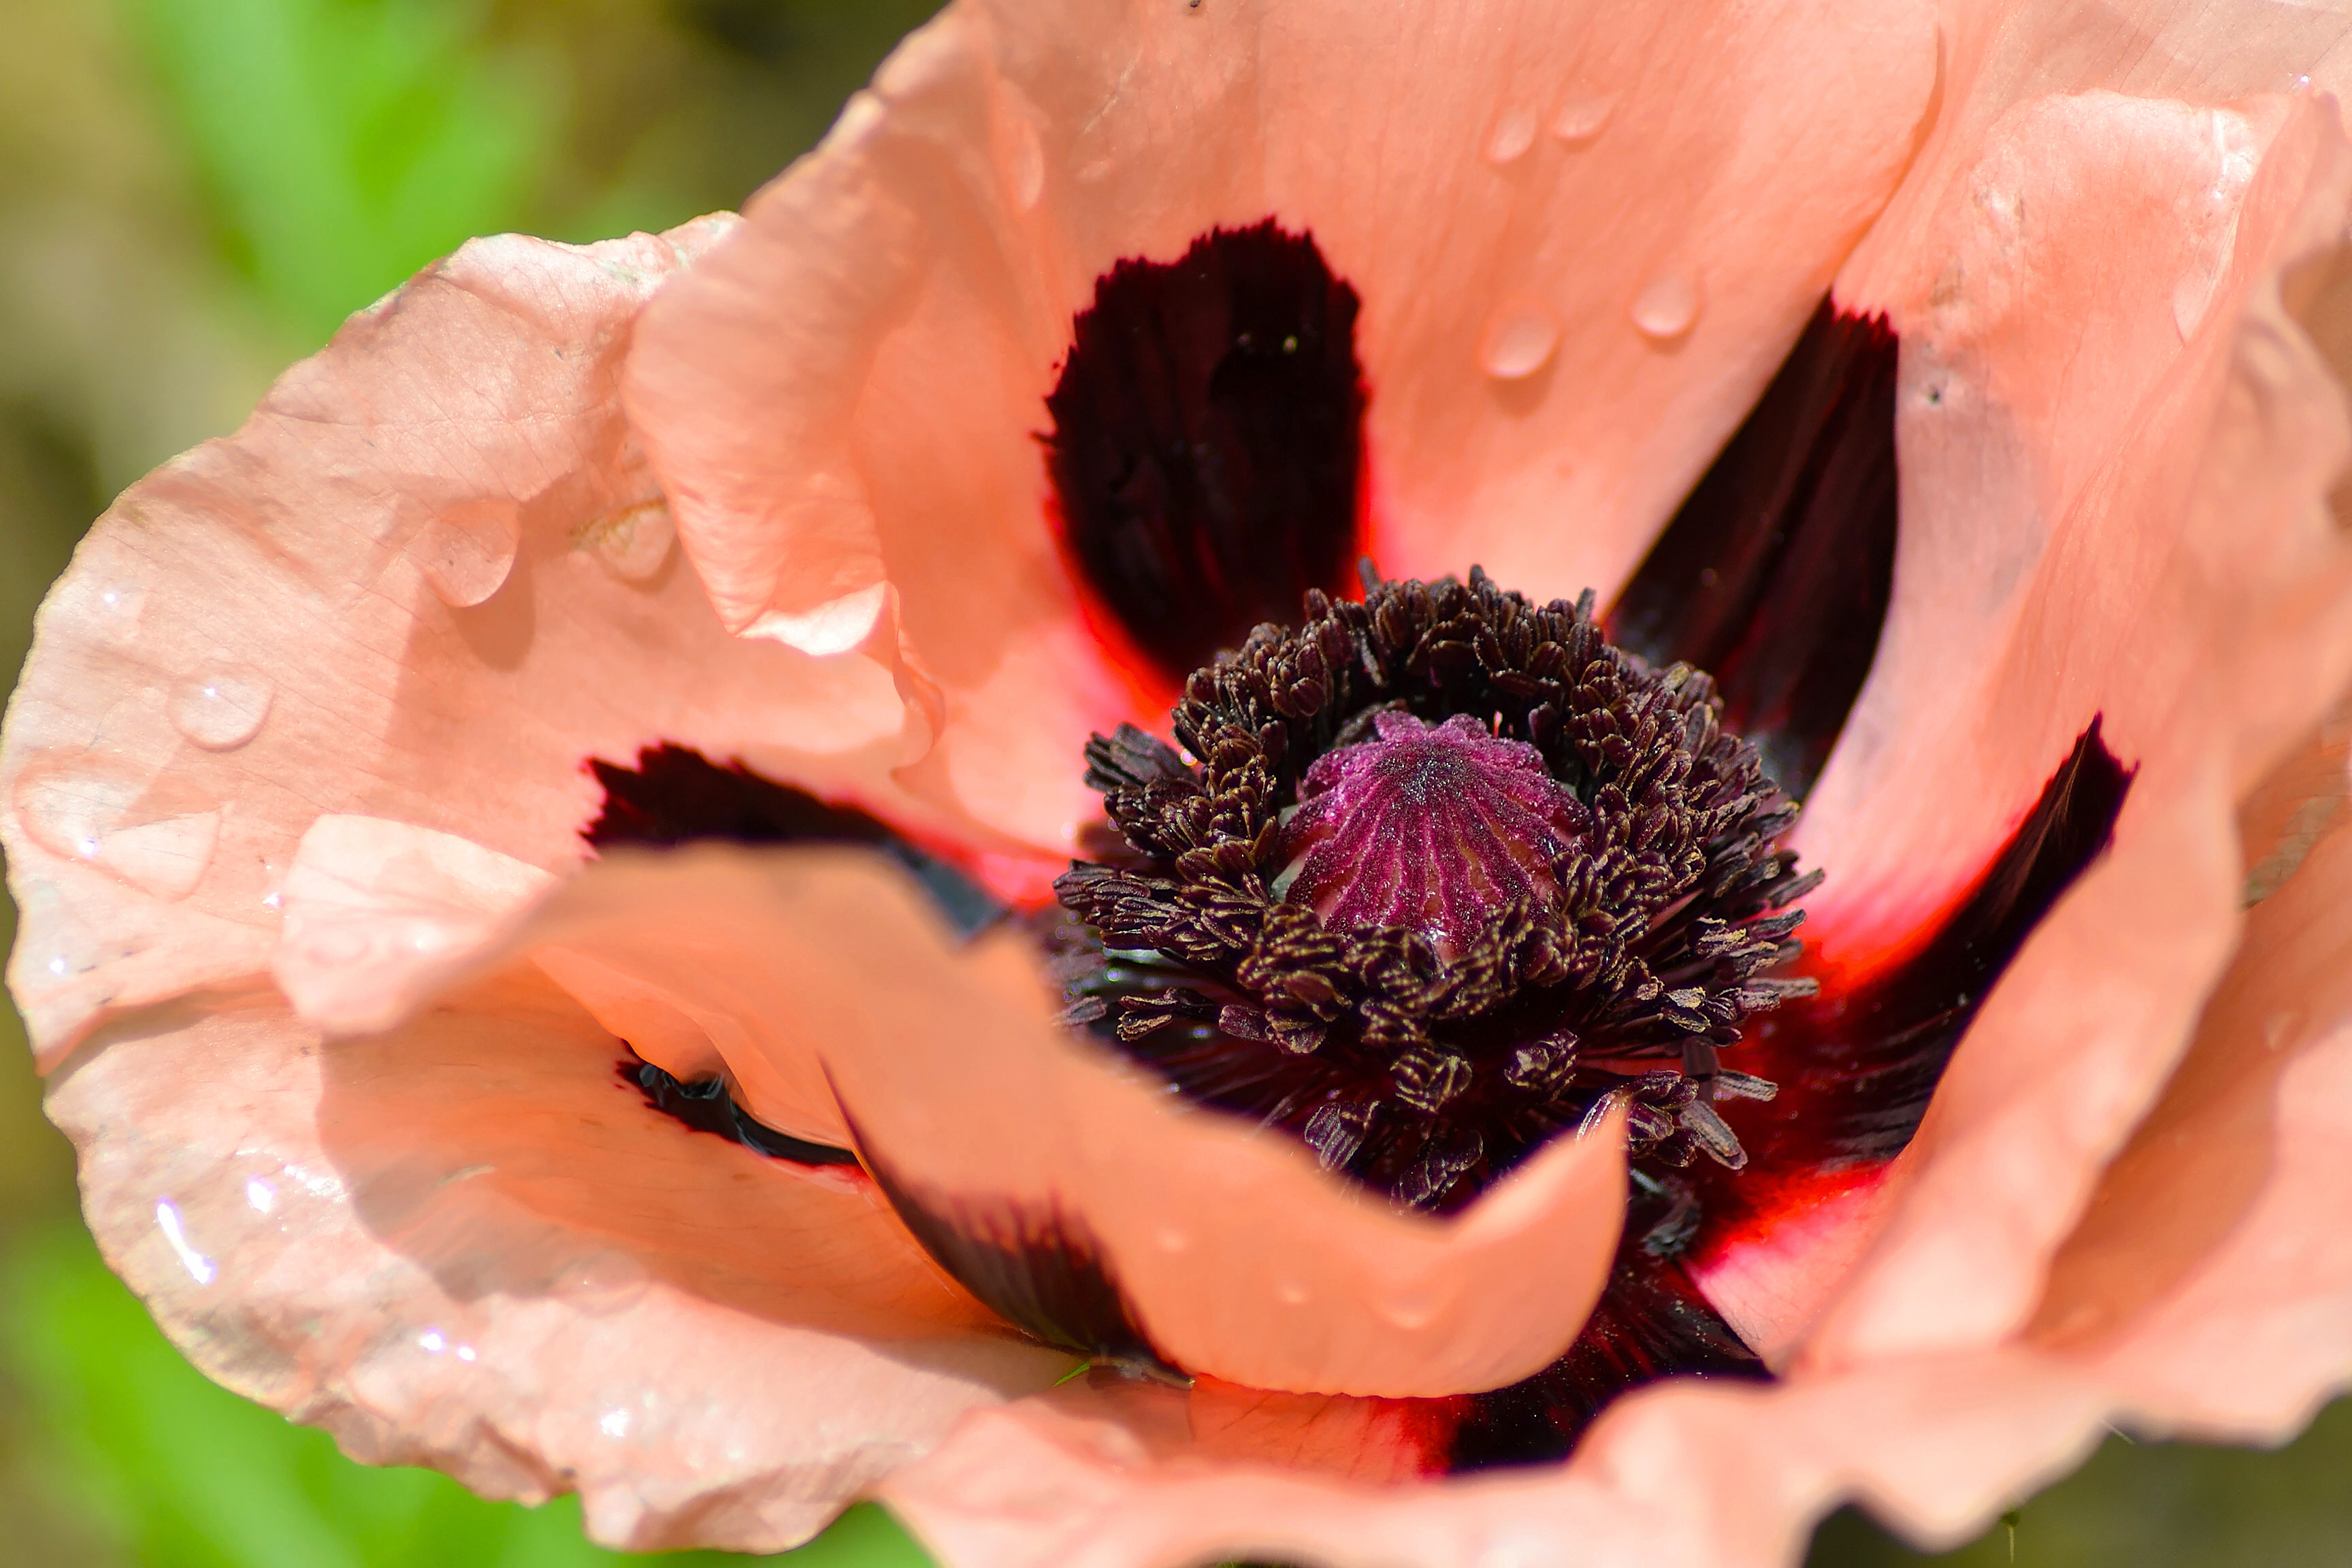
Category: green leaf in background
[345,143]
[183,1474]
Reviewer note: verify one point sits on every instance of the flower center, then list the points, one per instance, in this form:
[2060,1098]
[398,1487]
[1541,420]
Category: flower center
[1432,827]
[1437,877]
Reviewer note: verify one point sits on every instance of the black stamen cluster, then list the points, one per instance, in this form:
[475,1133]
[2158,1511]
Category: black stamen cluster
[1423,1073]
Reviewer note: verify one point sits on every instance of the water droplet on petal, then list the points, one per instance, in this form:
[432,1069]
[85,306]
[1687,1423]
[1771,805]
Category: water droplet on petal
[1027,172]
[1665,309]
[603,1283]
[260,1196]
[1513,134]
[1518,342]
[468,550]
[1412,1312]
[222,710]
[58,943]
[2191,294]
[1519,1549]
[167,1220]
[632,544]
[166,857]
[2213,226]
[152,832]
[1581,118]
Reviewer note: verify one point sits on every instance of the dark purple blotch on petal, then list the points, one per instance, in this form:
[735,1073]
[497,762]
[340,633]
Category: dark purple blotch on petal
[1207,440]
[1858,1065]
[1774,575]
[676,795]
[1651,1322]
[705,1105]
[1039,1271]
[1856,1072]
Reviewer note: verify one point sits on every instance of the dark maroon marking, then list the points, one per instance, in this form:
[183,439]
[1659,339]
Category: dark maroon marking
[676,794]
[1856,1066]
[1041,1273]
[1207,433]
[1856,1070]
[1775,573]
[1651,1322]
[707,1107]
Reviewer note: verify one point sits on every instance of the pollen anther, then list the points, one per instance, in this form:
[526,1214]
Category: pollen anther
[1450,875]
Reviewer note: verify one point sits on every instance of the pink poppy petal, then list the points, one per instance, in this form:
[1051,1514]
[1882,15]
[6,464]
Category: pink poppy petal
[2281,820]
[843,1013]
[2212,1276]
[430,577]
[468,1244]
[374,910]
[2112,509]
[1582,239]
[1685,1476]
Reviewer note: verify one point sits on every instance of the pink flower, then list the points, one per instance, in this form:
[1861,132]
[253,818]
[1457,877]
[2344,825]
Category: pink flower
[320,727]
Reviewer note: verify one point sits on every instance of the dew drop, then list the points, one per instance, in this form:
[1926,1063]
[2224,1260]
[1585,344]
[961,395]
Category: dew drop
[1665,309]
[1513,134]
[1518,342]
[2191,293]
[1412,1311]
[467,551]
[106,607]
[603,1283]
[1581,118]
[155,833]
[167,1219]
[2213,227]
[57,945]
[221,710]
[1027,171]
[1517,1549]
[632,544]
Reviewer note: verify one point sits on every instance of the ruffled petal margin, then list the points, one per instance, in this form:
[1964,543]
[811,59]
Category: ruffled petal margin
[843,1012]
[2114,448]
[464,1243]
[2202,1297]
[430,577]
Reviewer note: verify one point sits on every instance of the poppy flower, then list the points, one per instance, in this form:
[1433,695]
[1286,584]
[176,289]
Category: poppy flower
[1509,759]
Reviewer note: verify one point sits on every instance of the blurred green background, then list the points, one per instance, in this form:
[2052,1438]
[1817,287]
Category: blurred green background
[193,194]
